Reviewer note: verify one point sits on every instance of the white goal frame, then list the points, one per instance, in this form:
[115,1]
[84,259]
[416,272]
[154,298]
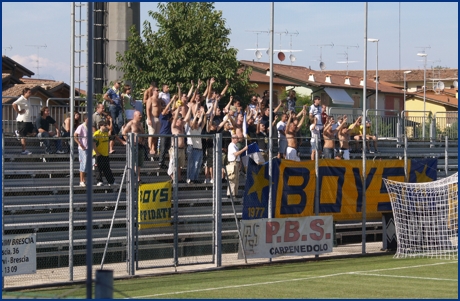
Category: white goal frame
[425,217]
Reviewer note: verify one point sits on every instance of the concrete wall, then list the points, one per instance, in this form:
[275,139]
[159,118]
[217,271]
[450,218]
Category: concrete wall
[120,17]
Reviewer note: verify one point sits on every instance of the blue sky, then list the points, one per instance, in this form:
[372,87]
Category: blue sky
[403,29]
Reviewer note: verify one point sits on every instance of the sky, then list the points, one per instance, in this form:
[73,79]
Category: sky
[38,35]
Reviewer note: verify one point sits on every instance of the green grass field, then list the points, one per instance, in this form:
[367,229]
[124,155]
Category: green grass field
[366,277]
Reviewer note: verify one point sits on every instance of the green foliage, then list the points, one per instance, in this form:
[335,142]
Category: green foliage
[191,43]
[301,99]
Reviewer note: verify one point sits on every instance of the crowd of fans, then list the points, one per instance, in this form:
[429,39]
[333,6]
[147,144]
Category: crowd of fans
[197,116]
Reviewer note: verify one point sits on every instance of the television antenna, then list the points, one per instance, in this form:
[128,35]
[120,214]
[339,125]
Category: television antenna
[346,55]
[292,57]
[257,50]
[281,55]
[424,48]
[9,48]
[38,57]
[322,65]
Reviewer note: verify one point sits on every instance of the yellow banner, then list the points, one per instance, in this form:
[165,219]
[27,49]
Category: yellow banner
[154,205]
[340,186]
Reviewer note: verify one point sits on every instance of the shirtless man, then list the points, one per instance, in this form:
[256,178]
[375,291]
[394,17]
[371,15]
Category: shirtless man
[344,136]
[149,92]
[153,110]
[291,129]
[328,135]
[135,126]
[177,128]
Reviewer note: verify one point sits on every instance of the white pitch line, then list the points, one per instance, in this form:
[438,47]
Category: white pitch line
[239,286]
[406,277]
[306,278]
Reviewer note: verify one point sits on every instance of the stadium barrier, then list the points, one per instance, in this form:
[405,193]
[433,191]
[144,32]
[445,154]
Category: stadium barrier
[37,196]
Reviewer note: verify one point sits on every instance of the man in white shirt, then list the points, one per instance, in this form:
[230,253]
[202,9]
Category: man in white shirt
[193,129]
[233,167]
[282,142]
[315,139]
[164,95]
[315,111]
[22,107]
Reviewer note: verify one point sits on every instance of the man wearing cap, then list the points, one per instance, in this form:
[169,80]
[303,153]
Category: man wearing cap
[113,96]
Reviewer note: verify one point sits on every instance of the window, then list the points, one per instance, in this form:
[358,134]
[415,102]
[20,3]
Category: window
[396,104]
[356,99]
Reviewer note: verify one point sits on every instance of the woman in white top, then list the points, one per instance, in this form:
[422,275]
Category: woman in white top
[233,167]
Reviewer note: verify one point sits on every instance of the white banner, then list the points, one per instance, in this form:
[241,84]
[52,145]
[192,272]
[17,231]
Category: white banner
[264,238]
[19,254]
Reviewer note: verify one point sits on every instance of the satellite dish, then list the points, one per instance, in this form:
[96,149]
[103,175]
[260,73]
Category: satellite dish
[281,56]
[292,57]
[322,65]
[258,54]
[455,83]
[438,87]
[441,85]
[267,51]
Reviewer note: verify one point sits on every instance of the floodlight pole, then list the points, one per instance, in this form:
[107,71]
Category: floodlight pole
[376,85]
[363,207]
[270,132]
[89,175]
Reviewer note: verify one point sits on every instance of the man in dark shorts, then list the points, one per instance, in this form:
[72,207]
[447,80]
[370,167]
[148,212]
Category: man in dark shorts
[22,107]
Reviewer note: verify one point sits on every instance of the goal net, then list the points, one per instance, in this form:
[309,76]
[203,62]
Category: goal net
[426,218]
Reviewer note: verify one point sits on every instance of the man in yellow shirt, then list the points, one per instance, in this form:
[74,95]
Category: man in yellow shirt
[101,151]
[369,137]
[355,136]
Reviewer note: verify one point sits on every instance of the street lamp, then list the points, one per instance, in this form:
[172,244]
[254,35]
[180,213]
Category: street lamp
[424,55]
[376,85]
[405,72]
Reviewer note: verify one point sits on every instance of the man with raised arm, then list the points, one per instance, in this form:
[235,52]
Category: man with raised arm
[291,129]
[329,134]
[193,129]
[136,126]
[177,128]
[344,136]
[153,109]
[165,129]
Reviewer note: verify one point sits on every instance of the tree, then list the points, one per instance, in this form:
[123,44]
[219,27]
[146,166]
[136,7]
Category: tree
[191,43]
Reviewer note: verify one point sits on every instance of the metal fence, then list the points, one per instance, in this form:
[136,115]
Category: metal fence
[202,230]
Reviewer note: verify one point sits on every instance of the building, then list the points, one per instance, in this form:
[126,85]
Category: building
[54,94]
[337,91]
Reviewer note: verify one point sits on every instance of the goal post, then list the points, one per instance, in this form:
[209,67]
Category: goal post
[425,217]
